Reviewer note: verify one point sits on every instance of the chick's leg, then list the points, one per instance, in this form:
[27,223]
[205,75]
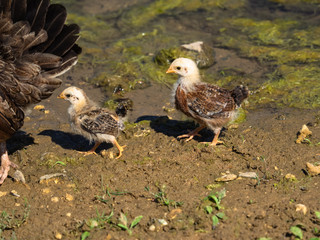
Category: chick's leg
[5,162]
[190,135]
[93,149]
[215,140]
[120,148]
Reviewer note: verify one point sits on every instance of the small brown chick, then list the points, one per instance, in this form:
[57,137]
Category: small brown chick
[95,123]
[211,106]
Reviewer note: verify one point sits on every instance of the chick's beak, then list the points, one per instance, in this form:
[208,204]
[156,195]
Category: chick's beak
[170,70]
[61,96]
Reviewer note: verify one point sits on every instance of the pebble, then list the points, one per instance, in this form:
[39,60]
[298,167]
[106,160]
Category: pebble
[226,178]
[68,214]
[18,176]
[38,107]
[312,169]
[152,228]
[301,208]
[3,194]
[55,199]
[58,236]
[248,175]
[69,197]
[14,193]
[163,222]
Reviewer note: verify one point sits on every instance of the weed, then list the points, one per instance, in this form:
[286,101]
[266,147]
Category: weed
[11,221]
[124,222]
[215,198]
[100,220]
[161,197]
[297,232]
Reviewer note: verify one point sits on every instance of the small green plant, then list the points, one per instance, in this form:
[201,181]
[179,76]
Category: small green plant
[161,197]
[215,198]
[100,220]
[123,222]
[297,232]
[10,221]
[107,193]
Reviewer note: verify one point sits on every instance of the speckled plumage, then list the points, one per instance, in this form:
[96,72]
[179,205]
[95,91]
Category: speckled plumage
[210,105]
[36,46]
[95,123]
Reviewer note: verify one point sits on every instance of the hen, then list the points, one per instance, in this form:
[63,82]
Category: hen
[36,46]
[95,123]
[210,105]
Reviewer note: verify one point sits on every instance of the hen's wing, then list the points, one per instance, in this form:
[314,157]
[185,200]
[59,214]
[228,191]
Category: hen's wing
[35,47]
[209,101]
[99,121]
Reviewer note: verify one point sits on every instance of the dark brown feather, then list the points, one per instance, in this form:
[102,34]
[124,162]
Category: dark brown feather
[36,13]
[56,17]
[18,10]
[65,40]
[23,65]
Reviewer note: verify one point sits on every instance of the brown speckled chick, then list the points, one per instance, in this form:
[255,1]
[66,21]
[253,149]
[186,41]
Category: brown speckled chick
[210,105]
[95,123]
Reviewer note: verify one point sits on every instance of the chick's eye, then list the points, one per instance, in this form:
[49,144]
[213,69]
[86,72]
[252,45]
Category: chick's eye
[178,68]
[68,95]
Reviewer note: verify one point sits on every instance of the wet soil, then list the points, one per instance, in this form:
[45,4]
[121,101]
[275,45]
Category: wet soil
[165,180]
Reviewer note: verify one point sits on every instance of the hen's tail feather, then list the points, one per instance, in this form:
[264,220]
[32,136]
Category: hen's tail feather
[239,94]
[65,40]
[18,10]
[35,44]
[36,14]
[56,17]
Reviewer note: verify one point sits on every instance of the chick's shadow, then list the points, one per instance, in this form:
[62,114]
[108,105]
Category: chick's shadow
[175,128]
[72,141]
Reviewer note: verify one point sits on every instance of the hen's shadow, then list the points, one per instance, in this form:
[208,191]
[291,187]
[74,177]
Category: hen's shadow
[19,141]
[175,128]
[72,141]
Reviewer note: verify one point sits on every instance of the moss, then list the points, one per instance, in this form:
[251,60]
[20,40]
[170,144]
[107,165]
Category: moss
[140,16]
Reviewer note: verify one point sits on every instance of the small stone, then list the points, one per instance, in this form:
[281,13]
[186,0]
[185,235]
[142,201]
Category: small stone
[17,204]
[3,194]
[38,107]
[291,177]
[46,190]
[174,213]
[69,197]
[163,222]
[68,214]
[18,176]
[301,208]
[58,236]
[226,178]
[152,228]
[248,175]
[55,199]
[303,133]
[312,169]
[46,111]
[14,193]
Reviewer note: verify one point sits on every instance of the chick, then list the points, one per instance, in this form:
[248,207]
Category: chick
[94,123]
[209,105]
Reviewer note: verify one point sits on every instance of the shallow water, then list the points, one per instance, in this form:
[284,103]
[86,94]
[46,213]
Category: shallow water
[274,44]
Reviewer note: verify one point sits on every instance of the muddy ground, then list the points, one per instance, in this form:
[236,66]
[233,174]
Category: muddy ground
[164,180]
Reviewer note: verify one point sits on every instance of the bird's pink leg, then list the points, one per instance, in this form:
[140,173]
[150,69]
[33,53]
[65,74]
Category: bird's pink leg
[190,135]
[5,162]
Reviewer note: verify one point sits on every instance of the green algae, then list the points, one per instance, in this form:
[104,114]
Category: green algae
[140,16]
